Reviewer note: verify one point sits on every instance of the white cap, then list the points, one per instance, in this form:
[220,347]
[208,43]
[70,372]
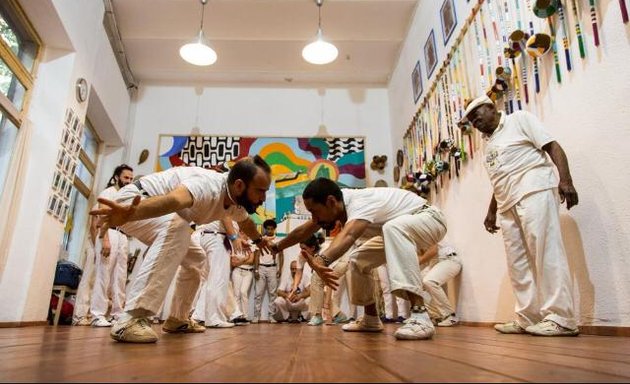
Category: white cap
[481,100]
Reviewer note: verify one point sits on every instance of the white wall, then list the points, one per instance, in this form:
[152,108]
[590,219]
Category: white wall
[75,45]
[588,115]
[260,112]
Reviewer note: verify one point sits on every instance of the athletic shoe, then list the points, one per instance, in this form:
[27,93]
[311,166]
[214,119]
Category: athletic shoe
[316,320]
[101,322]
[255,320]
[550,328]
[272,320]
[365,323]
[417,327]
[83,321]
[400,319]
[511,327]
[448,321]
[221,324]
[172,325]
[241,320]
[135,330]
[340,318]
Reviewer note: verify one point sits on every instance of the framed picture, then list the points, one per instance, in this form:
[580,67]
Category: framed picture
[416,82]
[60,157]
[75,124]
[430,55]
[448,18]
[69,117]
[52,204]
[57,181]
[65,140]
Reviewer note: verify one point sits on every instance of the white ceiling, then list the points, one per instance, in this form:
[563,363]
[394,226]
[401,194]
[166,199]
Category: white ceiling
[260,41]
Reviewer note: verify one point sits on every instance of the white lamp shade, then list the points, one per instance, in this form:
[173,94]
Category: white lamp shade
[198,52]
[320,52]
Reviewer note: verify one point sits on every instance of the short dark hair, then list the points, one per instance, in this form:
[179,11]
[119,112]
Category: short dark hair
[315,241]
[117,172]
[319,189]
[246,168]
[270,223]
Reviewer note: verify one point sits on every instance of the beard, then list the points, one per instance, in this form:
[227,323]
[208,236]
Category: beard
[327,225]
[244,202]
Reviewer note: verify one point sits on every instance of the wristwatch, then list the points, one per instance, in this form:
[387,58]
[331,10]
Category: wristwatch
[233,237]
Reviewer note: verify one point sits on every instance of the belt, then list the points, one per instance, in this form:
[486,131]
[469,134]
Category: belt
[117,229]
[139,186]
[268,265]
[214,232]
[246,269]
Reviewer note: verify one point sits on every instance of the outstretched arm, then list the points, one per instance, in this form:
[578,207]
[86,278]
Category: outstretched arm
[297,235]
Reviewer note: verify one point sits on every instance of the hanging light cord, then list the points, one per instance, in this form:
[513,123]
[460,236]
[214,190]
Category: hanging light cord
[203,5]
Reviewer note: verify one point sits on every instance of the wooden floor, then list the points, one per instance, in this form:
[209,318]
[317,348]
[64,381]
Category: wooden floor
[298,353]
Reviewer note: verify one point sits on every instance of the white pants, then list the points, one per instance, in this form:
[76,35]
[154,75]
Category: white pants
[344,287]
[340,267]
[213,305]
[84,291]
[537,261]
[394,306]
[397,248]
[242,282]
[111,276]
[434,278]
[268,281]
[170,246]
[285,308]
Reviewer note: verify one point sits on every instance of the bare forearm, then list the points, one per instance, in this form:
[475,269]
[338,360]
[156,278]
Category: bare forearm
[249,228]
[298,235]
[559,158]
[429,254]
[492,208]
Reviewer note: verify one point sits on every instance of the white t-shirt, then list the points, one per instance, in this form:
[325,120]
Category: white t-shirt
[109,193]
[515,161]
[287,284]
[380,205]
[206,188]
[267,258]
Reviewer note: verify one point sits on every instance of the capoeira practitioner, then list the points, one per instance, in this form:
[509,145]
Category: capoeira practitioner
[157,210]
[111,260]
[525,193]
[385,225]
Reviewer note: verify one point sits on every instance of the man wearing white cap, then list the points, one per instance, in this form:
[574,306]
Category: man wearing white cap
[527,195]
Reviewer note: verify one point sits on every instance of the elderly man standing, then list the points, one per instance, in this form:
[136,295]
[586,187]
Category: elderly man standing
[527,195]
[380,226]
[157,210]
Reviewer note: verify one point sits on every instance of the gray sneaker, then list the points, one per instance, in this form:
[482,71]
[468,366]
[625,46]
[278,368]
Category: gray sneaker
[364,324]
[135,330]
[550,328]
[511,327]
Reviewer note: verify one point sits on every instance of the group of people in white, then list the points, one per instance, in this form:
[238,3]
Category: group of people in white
[380,234]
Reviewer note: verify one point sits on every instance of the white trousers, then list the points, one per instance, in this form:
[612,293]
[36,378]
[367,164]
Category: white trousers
[268,282]
[170,246]
[214,305]
[84,291]
[285,308]
[340,267]
[434,278]
[397,248]
[394,306]
[111,276]
[537,261]
[344,288]
[242,282]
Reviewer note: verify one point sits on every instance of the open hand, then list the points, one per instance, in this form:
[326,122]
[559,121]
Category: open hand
[328,275]
[115,215]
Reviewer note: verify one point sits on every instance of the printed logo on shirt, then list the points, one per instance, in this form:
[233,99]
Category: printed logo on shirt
[492,159]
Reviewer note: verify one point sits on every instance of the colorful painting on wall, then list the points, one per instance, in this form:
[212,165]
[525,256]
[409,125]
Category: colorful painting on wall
[294,162]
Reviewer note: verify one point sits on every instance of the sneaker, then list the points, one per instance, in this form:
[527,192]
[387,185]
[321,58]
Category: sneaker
[241,320]
[340,318]
[135,330]
[417,327]
[101,322]
[365,323]
[316,320]
[172,325]
[83,321]
[550,328]
[387,320]
[511,327]
[222,324]
[272,320]
[448,321]
[255,320]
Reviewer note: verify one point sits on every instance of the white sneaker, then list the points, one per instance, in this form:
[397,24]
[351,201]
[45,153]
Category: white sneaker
[83,321]
[448,321]
[222,324]
[135,330]
[417,327]
[550,328]
[511,327]
[365,323]
[101,322]
[255,320]
[272,320]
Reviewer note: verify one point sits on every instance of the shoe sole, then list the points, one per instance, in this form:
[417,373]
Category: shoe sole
[147,340]
[183,331]
[411,337]
[373,330]
[555,334]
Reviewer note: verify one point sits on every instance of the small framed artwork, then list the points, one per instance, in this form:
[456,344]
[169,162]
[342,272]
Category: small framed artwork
[65,140]
[64,212]
[67,164]
[416,82]
[52,204]
[67,190]
[76,148]
[448,18]
[60,157]
[57,181]
[58,209]
[430,55]
[75,125]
